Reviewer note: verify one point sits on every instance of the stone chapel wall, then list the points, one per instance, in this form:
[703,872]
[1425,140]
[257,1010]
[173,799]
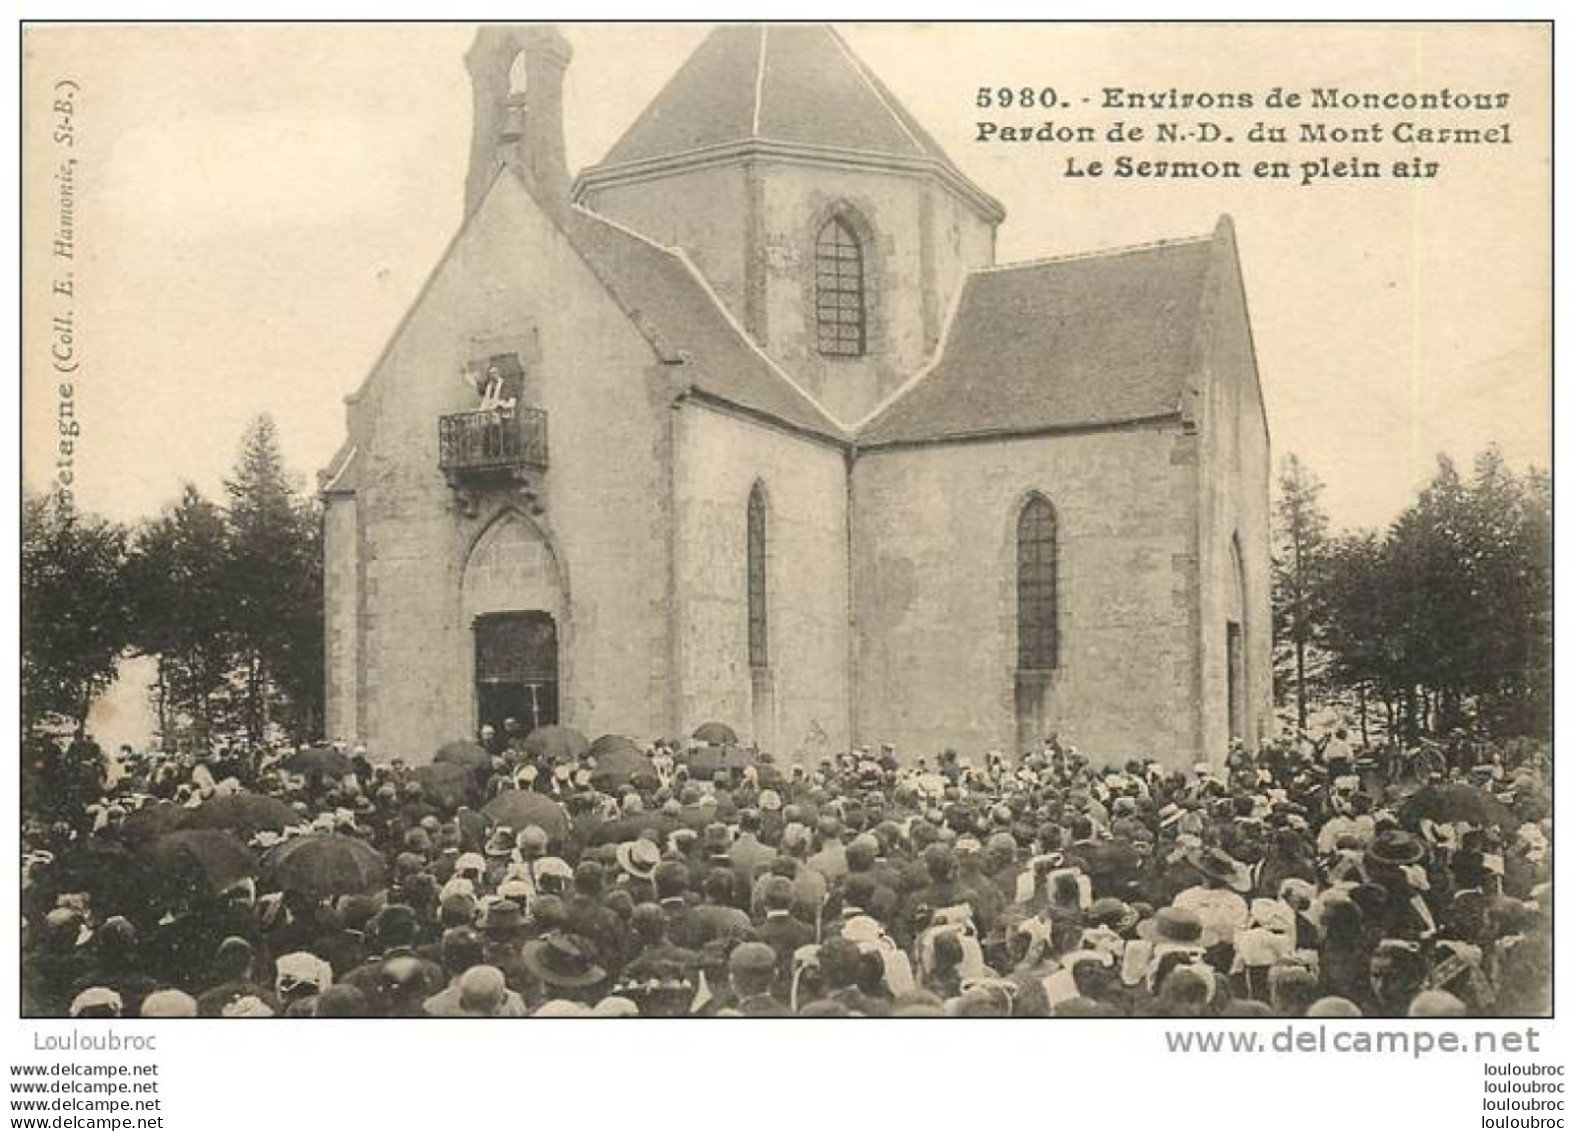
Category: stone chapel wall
[720,458]
[934,592]
[513,283]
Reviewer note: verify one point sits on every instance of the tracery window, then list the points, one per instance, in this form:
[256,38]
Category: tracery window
[1038,642]
[840,310]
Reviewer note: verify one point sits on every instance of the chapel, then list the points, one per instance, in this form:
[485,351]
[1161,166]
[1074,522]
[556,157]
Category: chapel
[745,422]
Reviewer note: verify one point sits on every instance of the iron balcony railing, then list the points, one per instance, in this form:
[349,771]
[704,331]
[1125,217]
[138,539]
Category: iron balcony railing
[492,442]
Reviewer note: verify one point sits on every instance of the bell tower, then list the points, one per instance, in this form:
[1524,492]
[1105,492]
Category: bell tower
[516,122]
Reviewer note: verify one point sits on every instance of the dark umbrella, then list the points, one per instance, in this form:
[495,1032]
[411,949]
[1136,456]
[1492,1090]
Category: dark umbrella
[118,882]
[445,785]
[516,808]
[318,760]
[466,755]
[710,760]
[472,829]
[207,858]
[613,745]
[1456,802]
[716,734]
[556,744]
[326,864]
[1108,863]
[245,813]
[621,763]
[154,819]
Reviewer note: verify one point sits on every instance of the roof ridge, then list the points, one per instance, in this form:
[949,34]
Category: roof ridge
[1187,396]
[682,257]
[759,80]
[748,338]
[927,368]
[1102,253]
[328,478]
[557,218]
[885,104]
[625,229]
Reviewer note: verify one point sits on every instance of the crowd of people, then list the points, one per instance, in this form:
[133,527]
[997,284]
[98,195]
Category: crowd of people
[544,876]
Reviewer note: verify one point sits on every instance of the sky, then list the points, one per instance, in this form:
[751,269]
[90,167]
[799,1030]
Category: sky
[257,205]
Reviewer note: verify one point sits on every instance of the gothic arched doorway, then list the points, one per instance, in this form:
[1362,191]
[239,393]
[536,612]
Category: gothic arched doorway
[516,671]
[519,652]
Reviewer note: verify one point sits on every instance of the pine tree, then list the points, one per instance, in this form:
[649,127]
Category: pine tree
[1300,558]
[1359,632]
[76,621]
[1429,568]
[274,578]
[182,605]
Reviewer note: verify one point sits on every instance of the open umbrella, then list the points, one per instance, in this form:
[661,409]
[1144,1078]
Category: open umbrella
[516,808]
[1456,801]
[472,828]
[326,864]
[206,858]
[621,763]
[1110,864]
[465,754]
[446,785]
[245,813]
[324,760]
[556,744]
[154,819]
[609,745]
[716,734]
[708,761]
[116,880]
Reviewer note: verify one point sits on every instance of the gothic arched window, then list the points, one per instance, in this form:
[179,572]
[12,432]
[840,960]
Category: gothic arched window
[759,627]
[839,289]
[1038,641]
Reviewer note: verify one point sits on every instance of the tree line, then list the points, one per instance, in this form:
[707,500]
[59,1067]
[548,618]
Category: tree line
[225,595]
[1442,620]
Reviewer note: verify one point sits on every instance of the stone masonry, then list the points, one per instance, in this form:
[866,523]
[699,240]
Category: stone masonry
[661,307]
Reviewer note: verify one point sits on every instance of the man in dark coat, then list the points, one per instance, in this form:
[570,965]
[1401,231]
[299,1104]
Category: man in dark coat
[591,919]
[233,978]
[655,956]
[863,859]
[749,854]
[1403,913]
[716,917]
[672,891]
[941,891]
[753,969]
[395,930]
[781,930]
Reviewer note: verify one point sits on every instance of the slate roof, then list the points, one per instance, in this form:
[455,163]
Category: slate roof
[794,84]
[678,315]
[1083,341]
